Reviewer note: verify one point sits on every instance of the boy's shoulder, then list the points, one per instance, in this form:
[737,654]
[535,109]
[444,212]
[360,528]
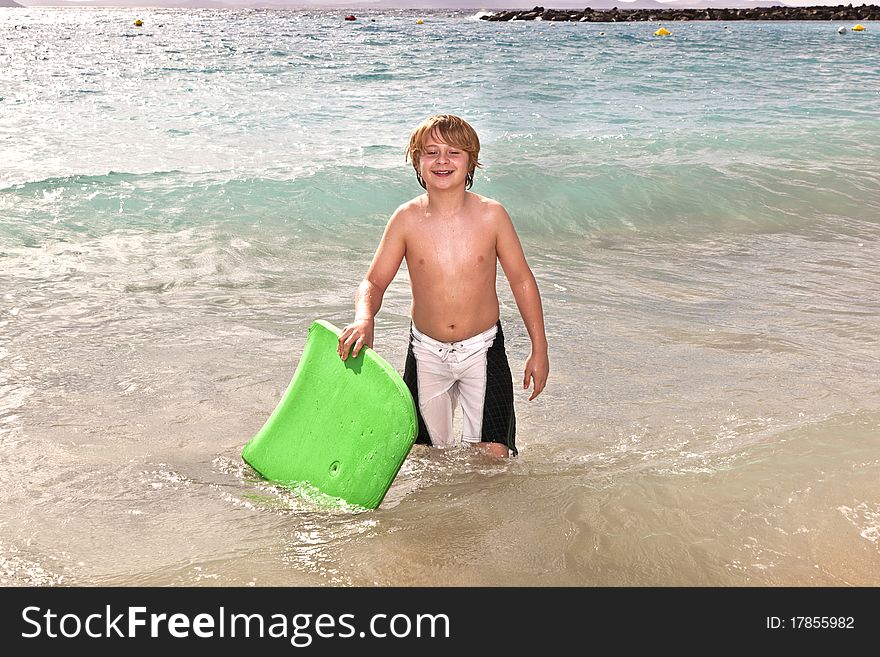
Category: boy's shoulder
[486,205]
[411,207]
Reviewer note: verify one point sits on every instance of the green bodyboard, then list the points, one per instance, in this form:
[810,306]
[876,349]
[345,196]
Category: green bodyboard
[344,427]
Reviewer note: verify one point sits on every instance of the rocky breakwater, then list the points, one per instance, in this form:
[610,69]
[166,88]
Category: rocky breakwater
[821,13]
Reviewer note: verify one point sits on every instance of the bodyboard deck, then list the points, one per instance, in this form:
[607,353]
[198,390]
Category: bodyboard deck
[344,427]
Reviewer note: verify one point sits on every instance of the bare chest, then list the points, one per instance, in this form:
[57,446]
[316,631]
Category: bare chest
[450,251]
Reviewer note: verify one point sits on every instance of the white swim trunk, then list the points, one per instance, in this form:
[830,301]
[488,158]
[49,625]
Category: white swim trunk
[472,373]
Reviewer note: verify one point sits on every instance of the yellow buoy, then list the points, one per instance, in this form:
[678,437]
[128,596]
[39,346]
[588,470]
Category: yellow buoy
[662,32]
[420,22]
[858,28]
[138,22]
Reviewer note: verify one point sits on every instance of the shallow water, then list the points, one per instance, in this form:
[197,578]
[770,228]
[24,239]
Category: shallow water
[179,202]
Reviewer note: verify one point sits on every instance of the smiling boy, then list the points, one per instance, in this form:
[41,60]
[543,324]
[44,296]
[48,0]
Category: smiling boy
[452,239]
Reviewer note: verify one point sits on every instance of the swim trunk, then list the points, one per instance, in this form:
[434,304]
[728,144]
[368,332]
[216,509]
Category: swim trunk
[473,373]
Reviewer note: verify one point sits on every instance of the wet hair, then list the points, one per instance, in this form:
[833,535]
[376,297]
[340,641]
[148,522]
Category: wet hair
[452,130]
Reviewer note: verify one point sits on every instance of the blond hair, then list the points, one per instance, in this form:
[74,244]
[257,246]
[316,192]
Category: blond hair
[452,130]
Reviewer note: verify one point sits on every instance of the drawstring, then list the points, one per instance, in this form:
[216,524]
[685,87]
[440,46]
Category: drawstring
[444,351]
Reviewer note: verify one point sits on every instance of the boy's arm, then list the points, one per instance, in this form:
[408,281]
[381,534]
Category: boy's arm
[528,300]
[368,298]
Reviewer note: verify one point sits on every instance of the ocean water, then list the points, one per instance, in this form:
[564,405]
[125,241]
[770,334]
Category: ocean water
[179,201]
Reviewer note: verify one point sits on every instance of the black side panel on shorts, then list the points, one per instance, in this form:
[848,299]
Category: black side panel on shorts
[411,379]
[499,417]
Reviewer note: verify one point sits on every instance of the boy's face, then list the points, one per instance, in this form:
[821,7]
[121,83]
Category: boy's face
[441,165]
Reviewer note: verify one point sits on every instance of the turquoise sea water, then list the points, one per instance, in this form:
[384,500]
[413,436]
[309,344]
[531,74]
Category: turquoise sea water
[179,201]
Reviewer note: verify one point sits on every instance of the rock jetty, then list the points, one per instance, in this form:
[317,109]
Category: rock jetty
[821,13]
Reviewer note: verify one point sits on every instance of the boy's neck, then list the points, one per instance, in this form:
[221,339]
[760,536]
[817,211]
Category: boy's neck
[447,201]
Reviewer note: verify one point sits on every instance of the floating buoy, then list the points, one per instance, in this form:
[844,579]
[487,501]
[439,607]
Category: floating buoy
[858,28]
[662,32]
[350,17]
[138,22]
[420,22]
[841,30]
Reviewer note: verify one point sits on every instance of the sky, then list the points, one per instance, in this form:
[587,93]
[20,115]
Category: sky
[491,4]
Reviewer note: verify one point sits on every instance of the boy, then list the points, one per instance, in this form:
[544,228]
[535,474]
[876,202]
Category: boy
[451,239]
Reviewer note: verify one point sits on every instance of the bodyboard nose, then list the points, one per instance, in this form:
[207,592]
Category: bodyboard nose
[345,427]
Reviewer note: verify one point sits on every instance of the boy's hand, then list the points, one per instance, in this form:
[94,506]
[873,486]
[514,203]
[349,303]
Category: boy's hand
[354,337]
[537,369]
